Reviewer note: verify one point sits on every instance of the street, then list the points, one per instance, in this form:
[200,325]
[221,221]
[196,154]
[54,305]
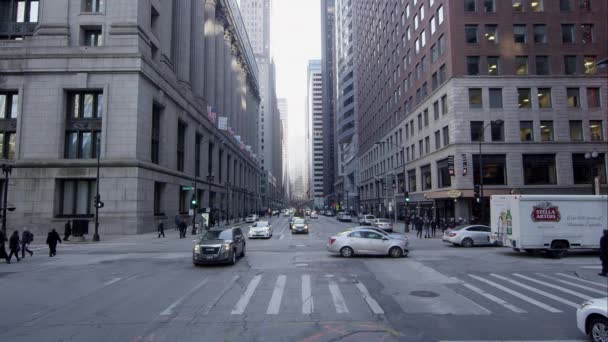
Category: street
[289,288]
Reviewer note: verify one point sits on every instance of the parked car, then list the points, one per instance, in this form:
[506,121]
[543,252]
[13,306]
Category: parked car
[299,225]
[314,215]
[366,242]
[251,218]
[468,235]
[344,217]
[330,213]
[367,219]
[219,246]
[383,224]
[260,229]
[378,230]
[592,319]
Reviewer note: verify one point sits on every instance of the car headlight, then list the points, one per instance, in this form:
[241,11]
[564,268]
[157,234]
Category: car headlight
[226,246]
[306,226]
[197,249]
[585,304]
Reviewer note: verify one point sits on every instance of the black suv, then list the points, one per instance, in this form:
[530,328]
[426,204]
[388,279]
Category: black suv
[219,246]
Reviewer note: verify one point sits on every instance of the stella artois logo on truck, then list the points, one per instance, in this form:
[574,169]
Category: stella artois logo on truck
[545,212]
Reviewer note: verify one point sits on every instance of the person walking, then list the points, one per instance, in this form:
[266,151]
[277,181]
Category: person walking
[604,253]
[52,240]
[13,246]
[419,224]
[3,253]
[67,231]
[433,227]
[427,228]
[182,229]
[161,228]
[26,238]
[177,220]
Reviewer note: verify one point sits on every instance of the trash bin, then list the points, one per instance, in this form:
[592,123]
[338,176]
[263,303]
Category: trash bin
[80,228]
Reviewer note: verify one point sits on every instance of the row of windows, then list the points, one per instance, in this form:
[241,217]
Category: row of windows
[540,34]
[489,6]
[543,98]
[492,65]
[546,127]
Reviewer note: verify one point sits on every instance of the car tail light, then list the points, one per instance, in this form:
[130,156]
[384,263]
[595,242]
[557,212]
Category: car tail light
[452,234]
[331,241]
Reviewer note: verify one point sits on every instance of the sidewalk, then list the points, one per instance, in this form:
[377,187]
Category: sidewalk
[591,273]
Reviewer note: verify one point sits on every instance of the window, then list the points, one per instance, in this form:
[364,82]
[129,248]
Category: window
[436,110]
[521,65]
[420,148]
[443,174]
[568,34]
[539,169]
[526,131]
[475,98]
[158,198]
[408,33]
[440,15]
[596,130]
[181,145]
[544,97]
[493,169]
[542,65]
[476,127]
[9,102]
[25,11]
[416,22]
[427,145]
[197,155]
[446,136]
[491,34]
[570,63]
[565,5]
[425,172]
[432,25]
[489,6]
[422,38]
[471,34]
[518,5]
[407,10]
[587,33]
[420,121]
[523,95]
[426,118]
[83,124]
[576,130]
[441,45]
[155,149]
[444,105]
[434,81]
[92,36]
[493,65]
[184,202]
[585,5]
[540,34]
[495,98]
[411,180]
[573,97]
[520,34]
[437,140]
[434,53]
[546,131]
[76,197]
[421,11]
[589,65]
[586,169]
[92,6]
[498,131]
[7,145]
[417,45]
[442,75]
[537,5]
[469,5]
[472,65]
[593,97]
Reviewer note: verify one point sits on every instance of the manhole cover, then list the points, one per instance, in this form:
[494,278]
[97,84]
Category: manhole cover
[427,294]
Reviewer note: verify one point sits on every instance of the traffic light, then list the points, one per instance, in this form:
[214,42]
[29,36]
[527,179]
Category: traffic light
[407,196]
[477,192]
[97,202]
[383,186]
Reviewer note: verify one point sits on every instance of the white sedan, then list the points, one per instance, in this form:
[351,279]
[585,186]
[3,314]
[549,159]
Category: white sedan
[260,229]
[468,235]
[592,319]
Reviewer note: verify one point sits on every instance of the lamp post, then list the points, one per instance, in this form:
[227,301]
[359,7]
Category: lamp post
[194,206]
[481,139]
[98,203]
[6,169]
[228,184]
[402,149]
[590,156]
[209,181]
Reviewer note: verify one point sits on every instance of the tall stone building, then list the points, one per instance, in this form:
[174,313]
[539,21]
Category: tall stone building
[282,104]
[315,134]
[140,84]
[328,35]
[442,84]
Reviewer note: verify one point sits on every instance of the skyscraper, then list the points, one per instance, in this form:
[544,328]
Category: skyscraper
[328,30]
[282,104]
[314,131]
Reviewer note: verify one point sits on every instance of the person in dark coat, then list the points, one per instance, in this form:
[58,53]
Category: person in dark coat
[3,253]
[67,231]
[182,229]
[419,225]
[177,220]
[26,238]
[13,246]
[604,253]
[52,240]
[161,228]
[433,227]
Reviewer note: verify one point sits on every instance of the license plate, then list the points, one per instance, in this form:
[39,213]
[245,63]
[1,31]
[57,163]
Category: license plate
[208,256]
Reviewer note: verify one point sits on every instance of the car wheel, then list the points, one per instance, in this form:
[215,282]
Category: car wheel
[560,250]
[347,252]
[243,251]
[395,252]
[196,264]
[598,329]
[467,242]
[233,257]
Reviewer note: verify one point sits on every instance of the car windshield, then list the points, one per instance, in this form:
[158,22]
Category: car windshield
[299,221]
[260,224]
[217,235]
[383,221]
[460,227]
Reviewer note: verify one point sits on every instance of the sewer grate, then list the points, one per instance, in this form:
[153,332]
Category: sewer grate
[426,294]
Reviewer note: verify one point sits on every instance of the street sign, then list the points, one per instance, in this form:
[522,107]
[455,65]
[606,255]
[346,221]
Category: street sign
[191,212]
[187,188]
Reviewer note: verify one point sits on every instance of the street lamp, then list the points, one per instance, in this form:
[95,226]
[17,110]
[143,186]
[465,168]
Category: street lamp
[209,181]
[98,203]
[590,156]
[481,138]
[6,169]
[402,148]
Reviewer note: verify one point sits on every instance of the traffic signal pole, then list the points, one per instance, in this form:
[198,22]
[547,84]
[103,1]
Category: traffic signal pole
[194,205]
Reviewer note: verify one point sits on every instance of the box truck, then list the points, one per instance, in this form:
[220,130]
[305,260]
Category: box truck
[550,223]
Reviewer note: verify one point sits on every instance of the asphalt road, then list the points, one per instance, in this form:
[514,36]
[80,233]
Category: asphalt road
[288,288]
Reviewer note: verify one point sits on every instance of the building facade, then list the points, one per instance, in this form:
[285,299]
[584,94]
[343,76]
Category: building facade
[282,105]
[438,81]
[130,82]
[315,137]
[328,58]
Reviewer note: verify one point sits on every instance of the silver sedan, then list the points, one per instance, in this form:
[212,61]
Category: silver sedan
[379,231]
[468,235]
[367,242]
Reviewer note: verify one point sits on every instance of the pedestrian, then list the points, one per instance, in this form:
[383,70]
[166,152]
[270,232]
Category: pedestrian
[26,238]
[182,229]
[604,253]
[67,231]
[419,224]
[161,228]
[3,253]
[460,221]
[433,227]
[427,228]
[13,246]
[444,226]
[177,220]
[52,240]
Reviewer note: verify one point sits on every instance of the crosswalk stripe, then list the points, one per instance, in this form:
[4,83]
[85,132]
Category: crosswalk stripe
[169,310]
[493,298]
[373,304]
[240,306]
[277,296]
[563,289]
[516,294]
[582,280]
[573,284]
[307,301]
[336,296]
[535,290]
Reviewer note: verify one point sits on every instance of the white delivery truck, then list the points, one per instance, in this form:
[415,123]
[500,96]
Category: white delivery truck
[551,223]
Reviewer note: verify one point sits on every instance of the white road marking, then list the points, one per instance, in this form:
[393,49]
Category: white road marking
[168,311]
[516,294]
[282,236]
[598,267]
[573,284]
[517,341]
[583,280]
[277,296]
[336,296]
[307,301]
[220,295]
[563,289]
[493,298]
[115,280]
[535,290]
[373,304]
[241,305]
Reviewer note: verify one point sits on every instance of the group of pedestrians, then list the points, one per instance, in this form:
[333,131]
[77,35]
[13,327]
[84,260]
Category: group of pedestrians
[426,225]
[21,244]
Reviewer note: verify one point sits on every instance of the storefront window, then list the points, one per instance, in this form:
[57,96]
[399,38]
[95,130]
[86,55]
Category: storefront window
[539,169]
[443,174]
[425,171]
[493,168]
[583,168]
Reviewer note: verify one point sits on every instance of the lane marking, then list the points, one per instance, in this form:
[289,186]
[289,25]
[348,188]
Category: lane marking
[277,296]
[598,267]
[241,305]
[583,280]
[563,289]
[373,304]
[336,296]
[282,236]
[516,294]
[573,284]
[169,310]
[535,290]
[115,280]
[493,298]
[220,295]
[516,341]
[307,301]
